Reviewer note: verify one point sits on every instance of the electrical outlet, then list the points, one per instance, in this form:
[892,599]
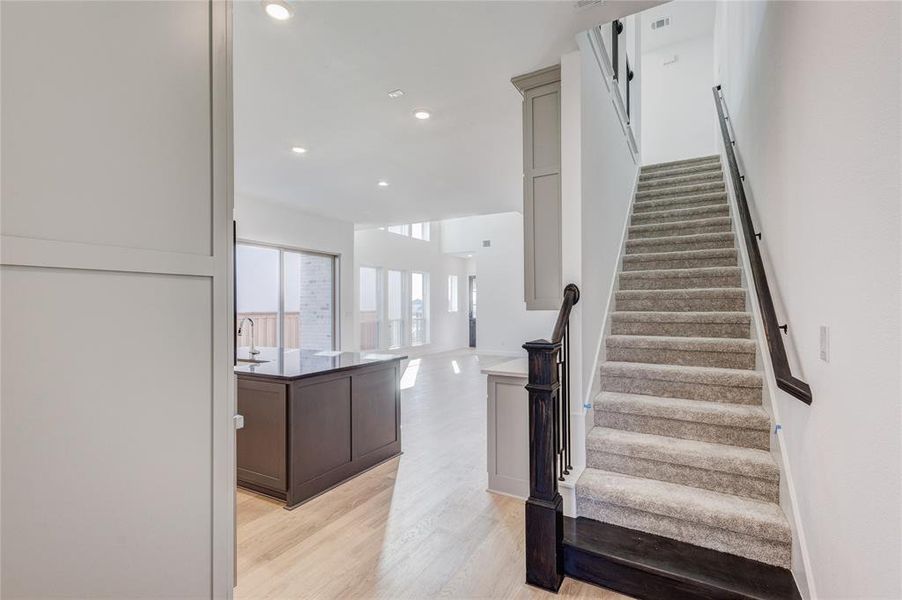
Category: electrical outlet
[825,343]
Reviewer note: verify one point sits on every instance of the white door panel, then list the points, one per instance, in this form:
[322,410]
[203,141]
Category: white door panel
[106,432]
[116,390]
[106,123]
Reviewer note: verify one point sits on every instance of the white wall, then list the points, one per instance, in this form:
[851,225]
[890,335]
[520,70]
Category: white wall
[608,179]
[273,223]
[503,324]
[571,214]
[816,113]
[677,112]
[380,248]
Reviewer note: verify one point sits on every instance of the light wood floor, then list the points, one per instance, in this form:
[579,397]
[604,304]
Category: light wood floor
[418,526]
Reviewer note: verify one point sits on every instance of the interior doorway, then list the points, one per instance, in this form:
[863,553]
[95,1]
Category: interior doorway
[472,310]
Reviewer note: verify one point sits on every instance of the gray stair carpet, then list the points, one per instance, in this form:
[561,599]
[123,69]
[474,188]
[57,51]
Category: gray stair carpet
[681,442]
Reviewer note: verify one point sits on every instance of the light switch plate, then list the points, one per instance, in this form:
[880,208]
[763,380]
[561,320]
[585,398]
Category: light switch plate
[825,343]
[239,421]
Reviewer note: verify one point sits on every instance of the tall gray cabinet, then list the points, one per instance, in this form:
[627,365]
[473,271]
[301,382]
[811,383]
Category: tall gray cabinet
[543,278]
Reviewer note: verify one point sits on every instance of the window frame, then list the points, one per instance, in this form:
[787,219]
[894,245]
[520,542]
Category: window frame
[405,310]
[427,299]
[453,294]
[336,285]
[380,305]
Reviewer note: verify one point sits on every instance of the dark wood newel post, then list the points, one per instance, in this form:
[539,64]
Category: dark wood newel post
[544,507]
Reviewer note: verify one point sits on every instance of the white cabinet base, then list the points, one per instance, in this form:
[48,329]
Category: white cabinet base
[507,435]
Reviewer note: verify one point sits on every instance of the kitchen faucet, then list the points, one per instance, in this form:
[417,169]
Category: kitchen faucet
[253,350]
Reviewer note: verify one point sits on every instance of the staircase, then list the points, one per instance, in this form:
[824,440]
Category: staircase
[678,464]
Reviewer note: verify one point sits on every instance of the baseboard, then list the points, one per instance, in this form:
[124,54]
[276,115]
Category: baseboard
[504,353]
[567,490]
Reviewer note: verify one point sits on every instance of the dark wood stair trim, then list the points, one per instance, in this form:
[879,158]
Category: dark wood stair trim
[652,567]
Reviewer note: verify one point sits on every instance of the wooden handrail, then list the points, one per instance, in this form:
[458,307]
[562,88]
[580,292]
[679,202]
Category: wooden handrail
[571,297]
[786,381]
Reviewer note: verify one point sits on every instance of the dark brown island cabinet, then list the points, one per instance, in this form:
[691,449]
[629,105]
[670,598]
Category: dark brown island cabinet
[313,420]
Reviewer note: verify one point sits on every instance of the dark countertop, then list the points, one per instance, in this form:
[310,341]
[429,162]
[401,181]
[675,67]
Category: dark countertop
[290,363]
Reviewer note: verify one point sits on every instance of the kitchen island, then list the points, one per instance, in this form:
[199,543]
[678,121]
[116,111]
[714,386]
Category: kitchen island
[313,420]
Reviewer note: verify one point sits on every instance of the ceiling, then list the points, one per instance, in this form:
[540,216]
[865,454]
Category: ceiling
[320,80]
[689,19]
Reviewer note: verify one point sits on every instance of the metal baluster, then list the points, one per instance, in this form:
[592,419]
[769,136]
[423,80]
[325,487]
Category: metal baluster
[560,424]
[567,396]
[565,391]
[558,463]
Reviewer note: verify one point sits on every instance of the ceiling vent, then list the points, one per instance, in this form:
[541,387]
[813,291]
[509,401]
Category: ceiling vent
[659,23]
[582,4]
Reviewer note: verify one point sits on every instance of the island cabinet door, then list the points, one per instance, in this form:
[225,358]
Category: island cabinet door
[376,398]
[262,440]
[320,434]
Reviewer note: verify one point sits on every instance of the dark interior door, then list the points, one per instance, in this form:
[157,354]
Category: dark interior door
[472,309]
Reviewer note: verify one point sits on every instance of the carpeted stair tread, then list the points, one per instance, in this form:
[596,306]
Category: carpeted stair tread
[681,259]
[731,353]
[683,317]
[724,511]
[678,243]
[677,180]
[683,343]
[709,199]
[677,191]
[685,162]
[750,462]
[714,384]
[681,214]
[725,522]
[708,375]
[712,168]
[693,226]
[692,278]
[682,409]
[719,324]
[685,300]
[741,425]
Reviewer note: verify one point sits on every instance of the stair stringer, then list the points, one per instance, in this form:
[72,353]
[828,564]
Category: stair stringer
[586,414]
[801,564]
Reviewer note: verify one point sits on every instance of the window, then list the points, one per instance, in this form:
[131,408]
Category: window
[370,308]
[420,231]
[308,304]
[452,293]
[419,309]
[257,294]
[417,231]
[396,312]
[400,229]
[290,296]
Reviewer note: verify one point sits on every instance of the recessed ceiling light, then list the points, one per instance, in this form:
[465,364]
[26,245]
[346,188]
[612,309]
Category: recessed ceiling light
[396,93]
[382,183]
[299,150]
[277,9]
[422,114]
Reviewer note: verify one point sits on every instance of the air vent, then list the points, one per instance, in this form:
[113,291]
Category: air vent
[486,243]
[581,4]
[662,22]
